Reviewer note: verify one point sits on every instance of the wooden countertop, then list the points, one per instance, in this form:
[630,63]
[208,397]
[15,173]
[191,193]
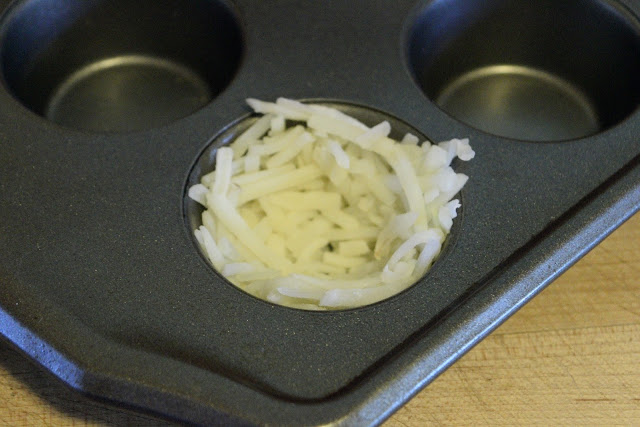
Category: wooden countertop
[571,356]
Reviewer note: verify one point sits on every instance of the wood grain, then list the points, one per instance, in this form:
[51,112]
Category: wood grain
[569,357]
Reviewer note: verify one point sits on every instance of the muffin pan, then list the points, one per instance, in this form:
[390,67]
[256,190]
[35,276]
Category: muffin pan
[108,109]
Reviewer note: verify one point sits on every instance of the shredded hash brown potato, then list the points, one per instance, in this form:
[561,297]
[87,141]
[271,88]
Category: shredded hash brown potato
[312,209]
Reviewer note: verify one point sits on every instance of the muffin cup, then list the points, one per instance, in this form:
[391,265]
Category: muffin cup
[540,71]
[117,66]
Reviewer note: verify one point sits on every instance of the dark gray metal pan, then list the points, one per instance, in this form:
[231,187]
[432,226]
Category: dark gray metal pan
[101,282]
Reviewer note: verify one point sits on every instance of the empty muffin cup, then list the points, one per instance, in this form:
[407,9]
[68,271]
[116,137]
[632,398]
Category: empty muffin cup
[118,65]
[537,71]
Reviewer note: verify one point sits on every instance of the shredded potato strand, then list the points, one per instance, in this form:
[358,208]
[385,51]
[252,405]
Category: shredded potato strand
[312,209]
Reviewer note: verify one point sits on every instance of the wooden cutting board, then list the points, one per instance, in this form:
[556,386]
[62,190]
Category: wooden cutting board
[569,357]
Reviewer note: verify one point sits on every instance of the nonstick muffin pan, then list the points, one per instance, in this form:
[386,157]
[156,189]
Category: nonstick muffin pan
[110,109]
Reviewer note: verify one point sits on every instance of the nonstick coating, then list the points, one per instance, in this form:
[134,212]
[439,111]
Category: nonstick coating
[102,284]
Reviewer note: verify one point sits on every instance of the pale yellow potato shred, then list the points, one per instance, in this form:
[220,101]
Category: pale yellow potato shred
[312,209]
